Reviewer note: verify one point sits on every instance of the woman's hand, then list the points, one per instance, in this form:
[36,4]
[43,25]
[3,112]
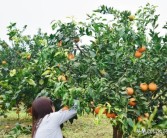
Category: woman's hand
[65,108]
[76,104]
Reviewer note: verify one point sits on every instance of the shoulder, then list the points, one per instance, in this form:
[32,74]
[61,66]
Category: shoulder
[51,115]
[60,113]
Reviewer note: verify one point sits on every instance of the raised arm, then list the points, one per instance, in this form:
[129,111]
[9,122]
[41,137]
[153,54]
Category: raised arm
[65,115]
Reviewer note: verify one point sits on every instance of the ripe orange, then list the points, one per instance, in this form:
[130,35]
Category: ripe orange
[97,110]
[143,86]
[139,118]
[58,65]
[29,57]
[142,49]
[103,72]
[62,78]
[7,127]
[130,91]
[71,56]
[131,17]
[4,62]
[132,99]
[76,40]
[111,115]
[1,98]
[146,115]
[65,108]
[29,111]
[152,86]
[138,54]
[132,102]
[92,102]
[60,43]
[17,112]
[105,110]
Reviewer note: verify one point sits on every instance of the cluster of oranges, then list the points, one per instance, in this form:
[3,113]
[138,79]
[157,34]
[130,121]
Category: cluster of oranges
[152,87]
[139,51]
[141,118]
[144,87]
[60,43]
[132,101]
[104,111]
[130,91]
[70,56]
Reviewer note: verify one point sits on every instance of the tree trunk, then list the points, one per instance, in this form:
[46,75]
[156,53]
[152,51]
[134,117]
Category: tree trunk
[119,134]
[116,132]
[115,129]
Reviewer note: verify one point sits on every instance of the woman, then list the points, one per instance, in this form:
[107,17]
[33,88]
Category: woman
[45,121]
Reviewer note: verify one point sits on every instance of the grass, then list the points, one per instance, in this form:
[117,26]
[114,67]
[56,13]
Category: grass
[83,127]
[86,127]
[6,124]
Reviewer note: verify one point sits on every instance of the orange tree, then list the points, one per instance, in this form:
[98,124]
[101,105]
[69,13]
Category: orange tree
[127,53]
[122,72]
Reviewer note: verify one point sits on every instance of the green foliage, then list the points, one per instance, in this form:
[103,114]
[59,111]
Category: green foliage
[18,130]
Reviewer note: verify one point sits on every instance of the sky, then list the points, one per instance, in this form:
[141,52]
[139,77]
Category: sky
[40,13]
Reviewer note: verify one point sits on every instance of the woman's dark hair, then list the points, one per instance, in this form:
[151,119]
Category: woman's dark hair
[40,107]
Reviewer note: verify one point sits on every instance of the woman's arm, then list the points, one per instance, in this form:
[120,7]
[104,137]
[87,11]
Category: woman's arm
[68,114]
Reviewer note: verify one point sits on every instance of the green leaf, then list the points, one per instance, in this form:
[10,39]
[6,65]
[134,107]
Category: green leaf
[46,72]
[88,32]
[92,54]
[12,72]
[130,122]
[57,53]
[7,104]
[41,81]
[1,101]
[155,59]
[84,76]
[31,82]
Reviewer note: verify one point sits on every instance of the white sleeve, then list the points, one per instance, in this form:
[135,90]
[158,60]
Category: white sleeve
[66,115]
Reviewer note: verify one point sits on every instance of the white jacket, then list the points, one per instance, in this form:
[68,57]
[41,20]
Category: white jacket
[50,124]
